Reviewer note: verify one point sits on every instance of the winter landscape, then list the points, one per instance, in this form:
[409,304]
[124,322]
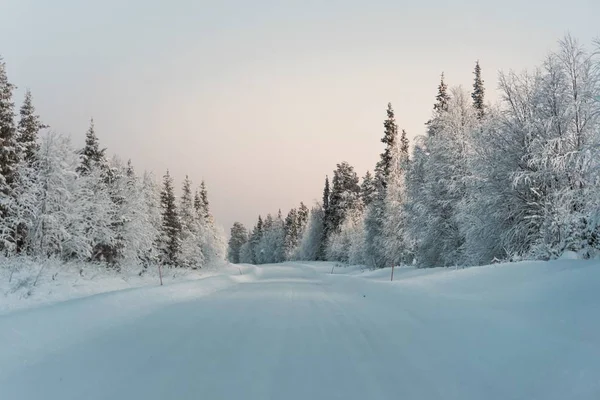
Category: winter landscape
[463,262]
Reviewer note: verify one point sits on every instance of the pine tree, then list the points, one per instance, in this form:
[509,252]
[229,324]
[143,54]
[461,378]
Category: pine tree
[310,245]
[440,107]
[198,204]
[191,228]
[28,128]
[303,214]
[292,232]
[254,240]
[375,214]
[325,230]
[8,134]
[442,97]
[259,227]
[91,155]
[395,222]
[204,200]
[478,92]
[345,195]
[171,226]
[9,161]
[326,194]
[114,182]
[404,144]
[139,214]
[186,205]
[129,171]
[389,138]
[367,189]
[238,237]
[435,227]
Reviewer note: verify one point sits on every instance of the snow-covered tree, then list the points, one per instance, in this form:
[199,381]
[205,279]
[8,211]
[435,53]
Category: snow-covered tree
[303,215]
[368,189]
[201,201]
[439,107]
[47,201]
[95,214]
[271,246]
[292,231]
[170,237]
[326,228]
[9,159]
[238,238]
[390,136]
[28,129]
[563,155]
[436,234]
[345,195]
[92,156]
[478,94]
[192,225]
[310,245]
[375,214]
[347,244]
[149,236]
[212,237]
[395,222]
[442,98]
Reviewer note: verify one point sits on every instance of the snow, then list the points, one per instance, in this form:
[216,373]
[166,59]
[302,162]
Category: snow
[527,330]
[56,281]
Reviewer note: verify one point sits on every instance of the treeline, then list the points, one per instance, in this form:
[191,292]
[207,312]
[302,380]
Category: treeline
[58,201]
[486,183]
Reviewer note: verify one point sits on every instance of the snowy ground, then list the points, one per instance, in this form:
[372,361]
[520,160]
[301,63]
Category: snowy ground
[295,331]
[25,283]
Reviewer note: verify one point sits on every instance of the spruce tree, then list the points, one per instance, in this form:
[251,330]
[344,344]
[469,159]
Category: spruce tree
[326,193]
[367,189]
[375,215]
[9,162]
[192,234]
[92,155]
[394,223]
[404,144]
[345,195]
[292,232]
[259,226]
[442,97]
[238,237]
[303,214]
[389,138]
[440,107]
[28,128]
[204,200]
[325,232]
[171,226]
[198,204]
[255,237]
[186,206]
[129,170]
[9,156]
[478,92]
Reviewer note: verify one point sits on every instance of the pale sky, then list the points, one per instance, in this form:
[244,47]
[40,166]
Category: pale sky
[262,98]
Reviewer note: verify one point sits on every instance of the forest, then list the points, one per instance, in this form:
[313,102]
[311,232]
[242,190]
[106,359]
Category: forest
[514,180]
[78,205]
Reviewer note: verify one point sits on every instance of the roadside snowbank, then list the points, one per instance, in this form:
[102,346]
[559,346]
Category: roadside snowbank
[25,283]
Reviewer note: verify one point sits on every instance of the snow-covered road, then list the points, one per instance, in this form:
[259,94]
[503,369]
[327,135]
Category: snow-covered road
[296,332]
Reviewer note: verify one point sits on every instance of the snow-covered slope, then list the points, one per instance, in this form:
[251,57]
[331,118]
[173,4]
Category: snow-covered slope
[295,331]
